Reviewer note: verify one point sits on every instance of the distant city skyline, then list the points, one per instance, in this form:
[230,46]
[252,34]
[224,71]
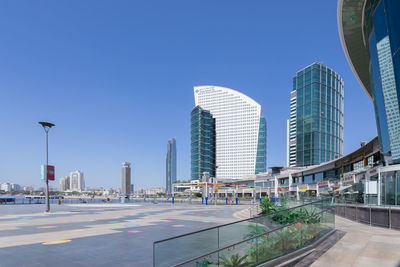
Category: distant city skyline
[118,91]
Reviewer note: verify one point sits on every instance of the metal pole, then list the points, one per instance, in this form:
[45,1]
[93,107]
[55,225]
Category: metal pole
[47,181]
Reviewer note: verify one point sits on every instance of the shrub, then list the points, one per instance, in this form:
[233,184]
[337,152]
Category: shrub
[267,205]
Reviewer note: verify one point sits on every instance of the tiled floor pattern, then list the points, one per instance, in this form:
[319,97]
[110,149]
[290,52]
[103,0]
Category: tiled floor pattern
[362,245]
[98,236]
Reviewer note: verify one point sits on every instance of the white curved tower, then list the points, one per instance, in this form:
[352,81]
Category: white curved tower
[240,131]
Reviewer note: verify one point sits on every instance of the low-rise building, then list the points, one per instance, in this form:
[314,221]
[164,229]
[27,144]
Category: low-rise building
[186,188]
[360,176]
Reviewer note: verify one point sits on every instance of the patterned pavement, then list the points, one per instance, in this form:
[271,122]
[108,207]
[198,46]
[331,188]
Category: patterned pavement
[98,234]
[363,246]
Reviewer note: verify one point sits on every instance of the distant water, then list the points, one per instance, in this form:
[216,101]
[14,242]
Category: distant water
[11,200]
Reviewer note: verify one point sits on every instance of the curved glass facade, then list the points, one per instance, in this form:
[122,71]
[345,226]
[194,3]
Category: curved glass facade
[202,143]
[381,30]
[237,125]
[319,115]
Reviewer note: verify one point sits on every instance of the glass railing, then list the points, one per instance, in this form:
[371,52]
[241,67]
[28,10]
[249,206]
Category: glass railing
[252,241]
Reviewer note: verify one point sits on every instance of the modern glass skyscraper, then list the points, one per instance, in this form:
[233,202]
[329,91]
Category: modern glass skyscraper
[370,35]
[261,146]
[126,179]
[240,131]
[171,165]
[318,104]
[202,143]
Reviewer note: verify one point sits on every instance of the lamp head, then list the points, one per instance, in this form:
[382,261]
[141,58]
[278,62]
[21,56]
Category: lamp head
[46,125]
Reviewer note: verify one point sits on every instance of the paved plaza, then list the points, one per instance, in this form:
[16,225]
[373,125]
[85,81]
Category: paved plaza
[99,234]
[362,246]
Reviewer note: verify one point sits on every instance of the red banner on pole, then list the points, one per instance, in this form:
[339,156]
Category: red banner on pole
[50,173]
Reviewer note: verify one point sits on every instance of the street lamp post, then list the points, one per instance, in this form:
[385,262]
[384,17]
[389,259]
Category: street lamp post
[46,127]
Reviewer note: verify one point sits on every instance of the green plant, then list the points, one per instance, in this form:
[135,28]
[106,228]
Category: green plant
[269,247]
[234,260]
[204,263]
[198,194]
[267,205]
[293,215]
[254,230]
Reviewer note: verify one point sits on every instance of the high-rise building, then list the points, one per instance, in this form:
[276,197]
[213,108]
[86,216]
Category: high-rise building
[291,131]
[126,179]
[316,116]
[77,182]
[170,165]
[15,187]
[64,184]
[240,130]
[132,188]
[202,143]
[6,187]
[370,35]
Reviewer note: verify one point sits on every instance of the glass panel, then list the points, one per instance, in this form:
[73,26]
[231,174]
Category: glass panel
[237,232]
[174,251]
[308,77]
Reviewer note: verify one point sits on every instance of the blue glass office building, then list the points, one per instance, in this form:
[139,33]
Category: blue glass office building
[370,35]
[202,143]
[319,114]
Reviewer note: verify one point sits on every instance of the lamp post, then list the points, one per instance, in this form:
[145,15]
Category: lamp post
[46,127]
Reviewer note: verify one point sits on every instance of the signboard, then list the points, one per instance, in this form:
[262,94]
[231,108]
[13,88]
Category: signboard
[323,183]
[312,187]
[304,188]
[348,179]
[47,171]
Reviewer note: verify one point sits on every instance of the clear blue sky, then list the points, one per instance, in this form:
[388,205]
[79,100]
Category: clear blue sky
[116,78]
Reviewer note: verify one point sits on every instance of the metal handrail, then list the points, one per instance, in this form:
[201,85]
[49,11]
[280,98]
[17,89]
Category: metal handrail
[251,238]
[223,225]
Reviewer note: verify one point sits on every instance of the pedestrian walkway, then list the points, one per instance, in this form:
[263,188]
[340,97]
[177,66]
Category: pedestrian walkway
[362,245]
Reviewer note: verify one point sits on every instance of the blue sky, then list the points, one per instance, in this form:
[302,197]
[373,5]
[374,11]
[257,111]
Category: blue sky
[116,78]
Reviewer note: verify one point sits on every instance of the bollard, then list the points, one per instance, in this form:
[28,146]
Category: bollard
[206,201]
[173,200]
[237,200]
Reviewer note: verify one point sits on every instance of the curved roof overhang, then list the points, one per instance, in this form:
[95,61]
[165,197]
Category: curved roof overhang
[350,25]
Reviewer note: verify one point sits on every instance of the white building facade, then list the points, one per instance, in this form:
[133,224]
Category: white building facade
[240,129]
[6,187]
[64,183]
[291,131]
[77,182]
